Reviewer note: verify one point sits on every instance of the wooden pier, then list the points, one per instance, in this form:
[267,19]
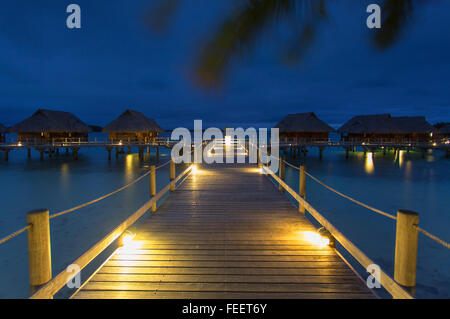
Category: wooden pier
[226,232]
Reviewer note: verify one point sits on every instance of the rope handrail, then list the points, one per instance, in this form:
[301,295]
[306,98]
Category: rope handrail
[20,231]
[105,196]
[290,165]
[16,233]
[433,237]
[424,232]
[376,210]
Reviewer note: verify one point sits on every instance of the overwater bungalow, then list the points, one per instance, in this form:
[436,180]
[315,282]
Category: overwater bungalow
[46,126]
[384,128]
[3,131]
[132,126]
[303,128]
[442,131]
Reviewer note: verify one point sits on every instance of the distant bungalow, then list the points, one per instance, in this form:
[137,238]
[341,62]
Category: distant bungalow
[442,132]
[46,126]
[132,126]
[303,127]
[384,127]
[3,131]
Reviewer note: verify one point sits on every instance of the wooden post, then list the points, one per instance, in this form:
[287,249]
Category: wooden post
[39,251]
[153,186]
[172,174]
[281,173]
[157,153]
[258,159]
[29,152]
[406,243]
[302,187]
[6,155]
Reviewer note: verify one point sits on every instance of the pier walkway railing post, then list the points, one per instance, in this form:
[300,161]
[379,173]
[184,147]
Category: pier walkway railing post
[302,187]
[281,173]
[153,186]
[172,175]
[406,244]
[39,251]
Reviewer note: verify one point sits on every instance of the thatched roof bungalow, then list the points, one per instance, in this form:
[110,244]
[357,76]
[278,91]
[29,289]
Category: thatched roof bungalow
[303,127]
[3,131]
[132,126]
[386,128]
[46,126]
[442,132]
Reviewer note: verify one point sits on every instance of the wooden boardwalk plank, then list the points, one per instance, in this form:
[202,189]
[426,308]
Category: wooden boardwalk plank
[227,232]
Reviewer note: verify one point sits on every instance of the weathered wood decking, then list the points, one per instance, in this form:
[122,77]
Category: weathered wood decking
[227,232]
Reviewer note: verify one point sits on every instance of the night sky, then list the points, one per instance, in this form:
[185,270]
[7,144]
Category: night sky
[115,62]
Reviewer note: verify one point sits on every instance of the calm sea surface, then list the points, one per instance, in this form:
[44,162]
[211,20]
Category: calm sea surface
[385,182]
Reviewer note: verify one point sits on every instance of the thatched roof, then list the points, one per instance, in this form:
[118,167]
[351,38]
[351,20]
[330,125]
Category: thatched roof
[412,124]
[385,123]
[132,121]
[303,122]
[3,128]
[442,128]
[51,121]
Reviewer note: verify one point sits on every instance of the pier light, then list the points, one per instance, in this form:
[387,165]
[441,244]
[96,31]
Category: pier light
[316,238]
[126,238]
[194,169]
[19,144]
[227,140]
[326,236]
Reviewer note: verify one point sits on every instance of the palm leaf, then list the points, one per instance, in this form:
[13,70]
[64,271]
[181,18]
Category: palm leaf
[397,14]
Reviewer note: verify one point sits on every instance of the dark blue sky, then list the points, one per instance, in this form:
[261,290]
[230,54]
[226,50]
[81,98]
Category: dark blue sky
[114,63]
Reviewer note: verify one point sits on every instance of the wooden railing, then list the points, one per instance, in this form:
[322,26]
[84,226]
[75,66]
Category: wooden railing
[395,289]
[40,270]
[86,141]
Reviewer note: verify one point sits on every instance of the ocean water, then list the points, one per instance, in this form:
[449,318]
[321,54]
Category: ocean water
[389,183]
[62,183]
[385,182]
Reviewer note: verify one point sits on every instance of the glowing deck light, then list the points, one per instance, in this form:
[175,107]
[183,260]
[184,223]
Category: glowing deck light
[19,144]
[316,239]
[120,143]
[126,238]
[227,140]
[194,169]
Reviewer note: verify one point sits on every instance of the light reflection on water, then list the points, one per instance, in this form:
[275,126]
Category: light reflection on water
[388,182]
[385,182]
[369,167]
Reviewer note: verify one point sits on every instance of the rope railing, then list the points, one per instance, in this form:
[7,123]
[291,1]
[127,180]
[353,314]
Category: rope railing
[433,237]
[22,230]
[376,210]
[17,233]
